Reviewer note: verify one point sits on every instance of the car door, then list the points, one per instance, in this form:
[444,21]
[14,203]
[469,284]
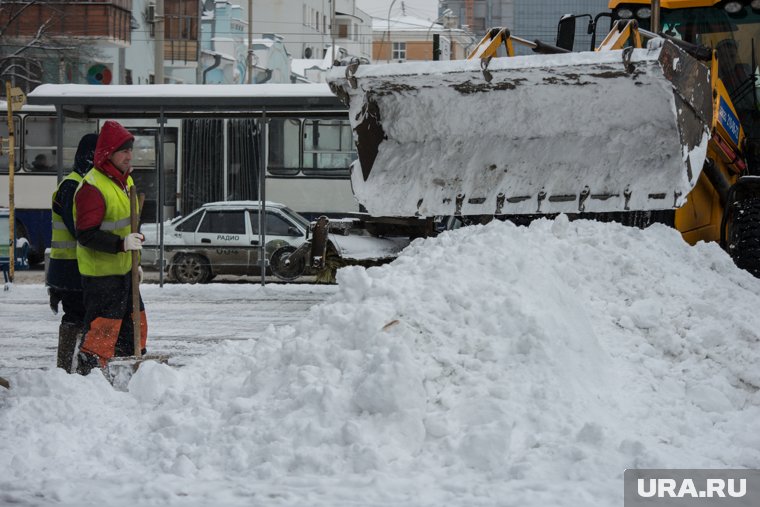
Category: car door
[280,230]
[222,237]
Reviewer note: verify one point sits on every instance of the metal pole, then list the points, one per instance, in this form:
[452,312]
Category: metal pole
[390,50]
[11,189]
[160,197]
[249,60]
[158,56]
[225,159]
[59,143]
[263,195]
[655,16]
[332,29]
[198,52]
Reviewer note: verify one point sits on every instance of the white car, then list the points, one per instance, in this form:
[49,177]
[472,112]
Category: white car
[222,238]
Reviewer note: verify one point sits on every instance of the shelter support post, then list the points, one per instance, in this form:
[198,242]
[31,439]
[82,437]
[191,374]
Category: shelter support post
[262,195]
[160,197]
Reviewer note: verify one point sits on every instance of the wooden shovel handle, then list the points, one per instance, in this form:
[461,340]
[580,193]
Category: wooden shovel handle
[134,216]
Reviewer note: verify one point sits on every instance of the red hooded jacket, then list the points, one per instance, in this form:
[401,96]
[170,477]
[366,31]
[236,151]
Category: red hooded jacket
[91,207]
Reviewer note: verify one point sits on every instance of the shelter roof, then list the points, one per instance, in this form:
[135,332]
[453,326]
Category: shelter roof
[180,101]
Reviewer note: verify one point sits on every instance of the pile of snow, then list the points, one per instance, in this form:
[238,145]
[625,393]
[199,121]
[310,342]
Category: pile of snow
[492,365]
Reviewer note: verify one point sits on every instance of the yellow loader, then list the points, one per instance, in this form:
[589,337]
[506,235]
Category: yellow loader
[659,123]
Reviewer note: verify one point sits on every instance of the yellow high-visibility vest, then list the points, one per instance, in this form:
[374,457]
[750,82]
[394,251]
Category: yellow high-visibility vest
[116,220]
[63,245]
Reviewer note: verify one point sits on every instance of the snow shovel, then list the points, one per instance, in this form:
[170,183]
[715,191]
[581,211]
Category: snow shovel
[120,369]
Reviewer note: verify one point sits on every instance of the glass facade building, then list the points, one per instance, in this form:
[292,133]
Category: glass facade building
[538,19]
[529,19]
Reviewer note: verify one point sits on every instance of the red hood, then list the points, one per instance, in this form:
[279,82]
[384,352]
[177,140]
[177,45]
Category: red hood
[112,135]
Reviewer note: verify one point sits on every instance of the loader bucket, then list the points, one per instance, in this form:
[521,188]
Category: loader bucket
[594,132]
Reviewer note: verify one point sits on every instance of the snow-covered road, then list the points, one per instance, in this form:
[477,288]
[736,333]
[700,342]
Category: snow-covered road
[181,318]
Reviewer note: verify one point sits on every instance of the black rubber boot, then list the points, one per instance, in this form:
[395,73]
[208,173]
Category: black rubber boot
[86,363]
[68,333]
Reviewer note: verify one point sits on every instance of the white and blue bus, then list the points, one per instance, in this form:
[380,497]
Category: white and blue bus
[208,155]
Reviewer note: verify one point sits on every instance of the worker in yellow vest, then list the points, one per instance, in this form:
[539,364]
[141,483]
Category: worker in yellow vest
[104,245]
[62,277]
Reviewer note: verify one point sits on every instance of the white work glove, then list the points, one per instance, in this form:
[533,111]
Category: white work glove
[139,274]
[133,241]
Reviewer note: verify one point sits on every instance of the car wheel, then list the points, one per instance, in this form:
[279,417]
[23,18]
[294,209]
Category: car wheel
[744,236]
[191,269]
[284,267]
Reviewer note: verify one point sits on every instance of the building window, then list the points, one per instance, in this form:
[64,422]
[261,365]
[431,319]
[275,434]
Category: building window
[399,51]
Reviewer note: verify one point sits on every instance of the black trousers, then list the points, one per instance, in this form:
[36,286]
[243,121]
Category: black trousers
[108,317]
[72,302]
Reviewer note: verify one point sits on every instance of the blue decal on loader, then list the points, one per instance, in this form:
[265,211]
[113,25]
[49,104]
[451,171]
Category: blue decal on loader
[729,121]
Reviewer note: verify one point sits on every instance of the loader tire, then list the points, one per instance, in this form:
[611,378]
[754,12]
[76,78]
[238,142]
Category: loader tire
[744,235]
[284,267]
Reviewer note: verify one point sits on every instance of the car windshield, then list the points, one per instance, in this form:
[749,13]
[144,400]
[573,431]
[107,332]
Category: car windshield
[296,217]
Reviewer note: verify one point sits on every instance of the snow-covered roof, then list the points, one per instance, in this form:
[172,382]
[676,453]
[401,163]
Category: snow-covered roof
[181,100]
[300,65]
[223,55]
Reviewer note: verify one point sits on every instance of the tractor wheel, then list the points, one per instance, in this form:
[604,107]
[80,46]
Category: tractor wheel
[284,267]
[744,235]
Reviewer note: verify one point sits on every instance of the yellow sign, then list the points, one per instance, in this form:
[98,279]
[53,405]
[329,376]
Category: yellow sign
[17,98]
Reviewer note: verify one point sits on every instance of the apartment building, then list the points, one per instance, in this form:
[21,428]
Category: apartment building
[114,41]
[406,38]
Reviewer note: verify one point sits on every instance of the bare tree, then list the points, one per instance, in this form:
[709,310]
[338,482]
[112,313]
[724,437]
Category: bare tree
[31,53]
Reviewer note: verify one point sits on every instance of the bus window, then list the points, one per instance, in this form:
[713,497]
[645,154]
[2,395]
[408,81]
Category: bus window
[4,134]
[40,143]
[144,152]
[328,147]
[73,131]
[284,146]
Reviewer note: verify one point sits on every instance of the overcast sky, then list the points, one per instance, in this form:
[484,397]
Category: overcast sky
[425,9]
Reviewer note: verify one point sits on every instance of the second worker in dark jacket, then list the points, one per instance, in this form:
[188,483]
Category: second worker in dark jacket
[63,280]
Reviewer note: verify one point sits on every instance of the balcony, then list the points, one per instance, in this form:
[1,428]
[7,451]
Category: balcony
[101,20]
[180,31]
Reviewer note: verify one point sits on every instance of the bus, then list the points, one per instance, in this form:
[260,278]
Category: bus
[205,159]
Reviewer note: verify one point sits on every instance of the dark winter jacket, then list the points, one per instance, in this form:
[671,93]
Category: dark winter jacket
[63,273]
[90,205]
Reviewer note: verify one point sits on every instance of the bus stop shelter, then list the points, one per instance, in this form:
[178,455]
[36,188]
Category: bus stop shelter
[163,102]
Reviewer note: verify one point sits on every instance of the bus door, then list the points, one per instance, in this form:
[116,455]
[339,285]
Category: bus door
[145,166]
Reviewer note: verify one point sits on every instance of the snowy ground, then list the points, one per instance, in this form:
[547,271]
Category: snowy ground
[29,329]
[492,365]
